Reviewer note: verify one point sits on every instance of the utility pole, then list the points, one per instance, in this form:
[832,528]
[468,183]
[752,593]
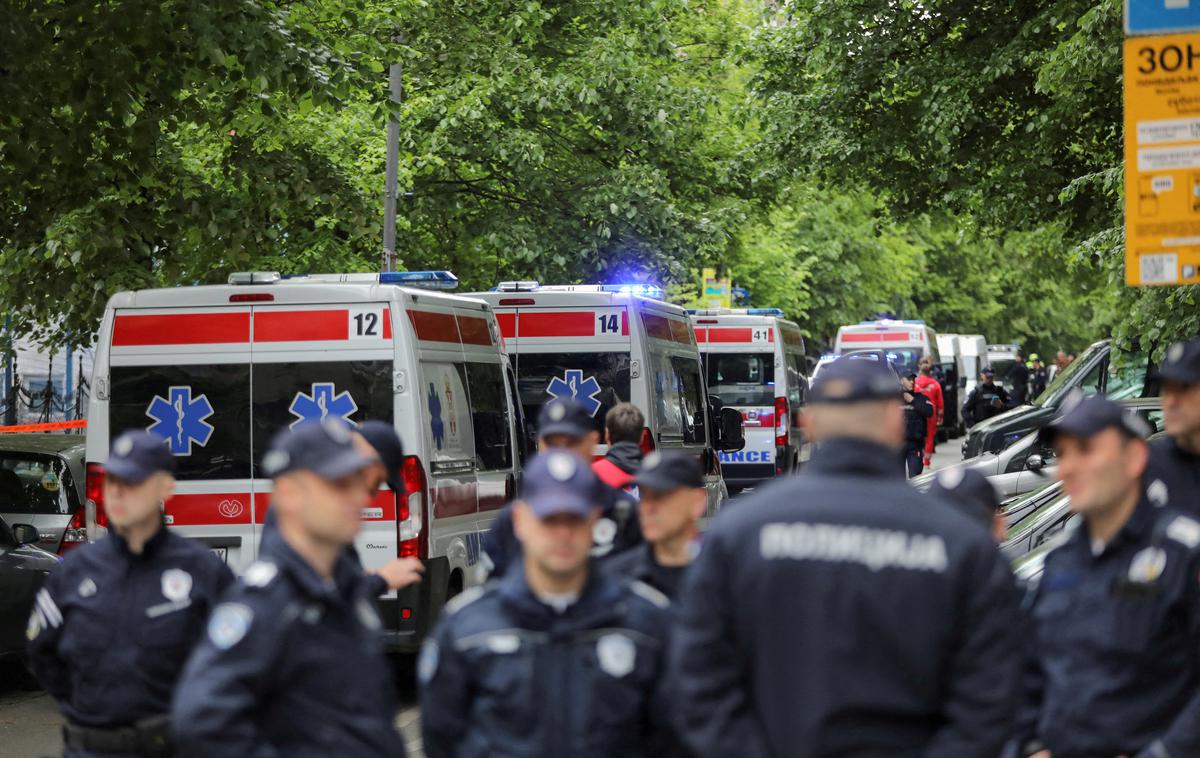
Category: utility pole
[396,86]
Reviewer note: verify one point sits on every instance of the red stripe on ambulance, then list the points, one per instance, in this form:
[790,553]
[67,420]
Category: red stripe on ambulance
[474,331]
[181,329]
[211,509]
[508,324]
[556,324]
[434,327]
[301,326]
[878,337]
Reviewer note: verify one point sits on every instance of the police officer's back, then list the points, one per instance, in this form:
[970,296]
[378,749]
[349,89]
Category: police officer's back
[564,424]
[1117,609]
[293,661]
[839,612]
[555,658]
[1173,475]
[113,625]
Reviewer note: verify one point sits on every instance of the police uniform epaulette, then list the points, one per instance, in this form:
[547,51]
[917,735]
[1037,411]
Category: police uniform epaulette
[1184,530]
[260,574]
[646,592]
[465,598]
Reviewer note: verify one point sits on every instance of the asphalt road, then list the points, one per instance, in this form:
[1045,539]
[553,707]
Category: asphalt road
[30,723]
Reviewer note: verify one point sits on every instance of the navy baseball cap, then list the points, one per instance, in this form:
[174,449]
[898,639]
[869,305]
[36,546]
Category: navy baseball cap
[850,380]
[987,371]
[136,454]
[564,416]
[669,470]
[1182,363]
[969,490]
[386,442]
[1087,416]
[325,448]
[558,482]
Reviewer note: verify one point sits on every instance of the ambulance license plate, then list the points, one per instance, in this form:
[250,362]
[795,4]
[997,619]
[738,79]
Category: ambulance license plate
[222,553]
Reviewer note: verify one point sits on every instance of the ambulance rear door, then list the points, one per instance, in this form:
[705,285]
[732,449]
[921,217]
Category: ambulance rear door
[571,346]
[324,360]
[185,373]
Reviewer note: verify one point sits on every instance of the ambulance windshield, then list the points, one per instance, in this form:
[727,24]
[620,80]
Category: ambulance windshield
[742,379]
[597,380]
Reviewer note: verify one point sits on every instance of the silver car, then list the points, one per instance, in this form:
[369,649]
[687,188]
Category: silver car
[42,484]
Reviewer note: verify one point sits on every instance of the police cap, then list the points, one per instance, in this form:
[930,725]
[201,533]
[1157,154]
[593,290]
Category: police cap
[1087,416]
[136,454]
[558,482]
[969,490]
[564,416]
[324,447]
[670,470]
[854,380]
[1182,363]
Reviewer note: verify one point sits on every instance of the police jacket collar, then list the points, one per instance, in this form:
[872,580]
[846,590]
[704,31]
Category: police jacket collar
[1135,531]
[149,550]
[843,456]
[306,577]
[597,601]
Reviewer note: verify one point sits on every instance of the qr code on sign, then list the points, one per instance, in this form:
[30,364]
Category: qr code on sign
[1161,268]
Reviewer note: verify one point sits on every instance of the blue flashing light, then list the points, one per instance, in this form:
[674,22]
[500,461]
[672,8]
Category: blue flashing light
[440,280]
[644,290]
[764,312]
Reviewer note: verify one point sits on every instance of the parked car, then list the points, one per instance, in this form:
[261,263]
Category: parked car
[1094,372]
[1050,516]
[42,484]
[23,568]
[1027,464]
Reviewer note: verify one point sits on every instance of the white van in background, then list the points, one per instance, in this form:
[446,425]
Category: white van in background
[218,370]
[754,361]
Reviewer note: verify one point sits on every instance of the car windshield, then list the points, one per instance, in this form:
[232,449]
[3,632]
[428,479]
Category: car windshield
[741,379]
[1066,379]
[35,483]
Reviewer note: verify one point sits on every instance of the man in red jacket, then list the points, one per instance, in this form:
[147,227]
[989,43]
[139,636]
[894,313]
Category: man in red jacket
[928,386]
[623,425]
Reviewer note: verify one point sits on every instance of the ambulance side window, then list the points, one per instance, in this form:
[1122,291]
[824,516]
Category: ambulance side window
[489,416]
[797,383]
[203,410]
[448,414]
[679,406]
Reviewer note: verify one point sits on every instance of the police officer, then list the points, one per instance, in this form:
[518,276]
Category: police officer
[672,502]
[293,661]
[840,612]
[987,399]
[973,494]
[918,410]
[113,625]
[1018,379]
[1117,610]
[1173,475]
[564,424]
[1038,377]
[555,658]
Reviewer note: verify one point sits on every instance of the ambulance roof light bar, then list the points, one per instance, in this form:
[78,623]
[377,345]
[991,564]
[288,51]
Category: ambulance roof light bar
[885,322]
[736,312]
[526,285]
[439,280]
[254,277]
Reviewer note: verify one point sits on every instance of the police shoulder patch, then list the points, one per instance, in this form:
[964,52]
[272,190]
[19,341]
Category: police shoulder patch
[260,574]
[463,599]
[646,592]
[427,662]
[229,624]
[1185,530]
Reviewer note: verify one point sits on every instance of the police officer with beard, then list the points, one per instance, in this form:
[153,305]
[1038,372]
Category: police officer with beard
[1173,473]
[112,628]
[840,612]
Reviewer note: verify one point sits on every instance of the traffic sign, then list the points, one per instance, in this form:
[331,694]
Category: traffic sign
[1162,159]
[1161,16]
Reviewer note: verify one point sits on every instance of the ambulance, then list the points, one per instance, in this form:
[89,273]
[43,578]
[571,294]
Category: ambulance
[754,361]
[218,370]
[904,342]
[605,344]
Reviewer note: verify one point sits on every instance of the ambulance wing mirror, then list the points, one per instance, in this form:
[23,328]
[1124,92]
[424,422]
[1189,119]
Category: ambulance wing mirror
[732,437]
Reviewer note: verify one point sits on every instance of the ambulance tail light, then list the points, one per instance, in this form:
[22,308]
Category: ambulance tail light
[783,422]
[646,443]
[410,509]
[76,532]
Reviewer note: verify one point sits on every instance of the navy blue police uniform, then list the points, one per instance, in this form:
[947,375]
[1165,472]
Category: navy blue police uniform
[840,612]
[970,491]
[1172,476]
[617,529]
[507,674]
[917,413]
[985,400]
[1116,629]
[111,629]
[292,664]
[664,472]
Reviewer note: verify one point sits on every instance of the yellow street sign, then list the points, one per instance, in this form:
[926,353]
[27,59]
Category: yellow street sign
[1162,159]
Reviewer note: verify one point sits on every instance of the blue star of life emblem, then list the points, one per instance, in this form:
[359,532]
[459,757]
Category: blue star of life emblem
[323,403]
[572,385]
[436,425]
[181,419]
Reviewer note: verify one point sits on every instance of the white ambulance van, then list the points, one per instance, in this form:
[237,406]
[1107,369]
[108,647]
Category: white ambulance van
[605,344]
[904,342]
[218,370]
[754,361]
